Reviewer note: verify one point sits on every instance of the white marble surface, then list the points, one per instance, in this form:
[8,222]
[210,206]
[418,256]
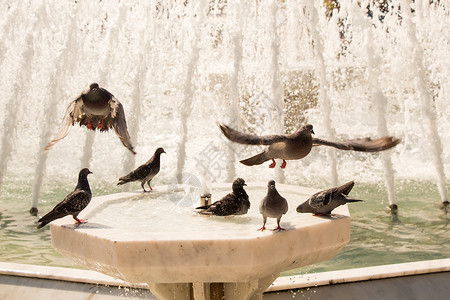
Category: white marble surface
[228,255]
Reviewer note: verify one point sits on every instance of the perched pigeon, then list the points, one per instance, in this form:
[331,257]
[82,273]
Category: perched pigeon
[95,108]
[299,144]
[322,203]
[273,205]
[73,204]
[235,203]
[145,172]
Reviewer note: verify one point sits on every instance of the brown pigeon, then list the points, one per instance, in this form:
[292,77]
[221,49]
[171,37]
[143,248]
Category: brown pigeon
[95,108]
[299,144]
[273,205]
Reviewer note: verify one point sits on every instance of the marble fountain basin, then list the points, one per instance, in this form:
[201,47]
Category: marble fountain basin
[157,238]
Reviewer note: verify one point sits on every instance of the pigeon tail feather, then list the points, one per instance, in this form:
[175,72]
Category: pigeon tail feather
[255,160]
[353,200]
[51,216]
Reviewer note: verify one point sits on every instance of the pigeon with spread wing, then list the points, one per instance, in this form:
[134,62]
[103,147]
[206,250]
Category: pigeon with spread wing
[298,144]
[95,108]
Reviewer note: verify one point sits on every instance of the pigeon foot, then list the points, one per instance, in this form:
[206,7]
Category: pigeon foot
[89,125]
[279,229]
[273,164]
[100,125]
[283,165]
[81,221]
[262,228]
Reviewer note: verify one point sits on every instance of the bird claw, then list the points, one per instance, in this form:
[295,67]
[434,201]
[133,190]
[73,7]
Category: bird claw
[89,125]
[262,228]
[100,125]
[279,229]
[273,164]
[81,221]
[283,165]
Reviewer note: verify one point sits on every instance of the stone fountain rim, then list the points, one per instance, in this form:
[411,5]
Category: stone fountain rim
[118,235]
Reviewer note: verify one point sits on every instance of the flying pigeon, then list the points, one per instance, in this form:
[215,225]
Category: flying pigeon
[322,203]
[234,203]
[273,205]
[145,172]
[299,144]
[95,108]
[73,204]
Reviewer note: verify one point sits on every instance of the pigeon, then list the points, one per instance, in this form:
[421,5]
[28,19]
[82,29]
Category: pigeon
[234,203]
[322,203]
[273,205]
[145,172]
[299,144]
[95,108]
[73,204]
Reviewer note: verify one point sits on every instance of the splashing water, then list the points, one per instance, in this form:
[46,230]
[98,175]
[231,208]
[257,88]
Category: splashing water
[315,62]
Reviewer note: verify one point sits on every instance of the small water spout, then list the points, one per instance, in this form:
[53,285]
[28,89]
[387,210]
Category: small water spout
[381,103]
[233,117]
[87,149]
[426,100]
[55,80]
[277,89]
[8,132]
[21,81]
[323,97]
[186,107]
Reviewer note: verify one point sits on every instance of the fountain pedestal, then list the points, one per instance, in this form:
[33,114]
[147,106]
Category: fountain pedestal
[235,263]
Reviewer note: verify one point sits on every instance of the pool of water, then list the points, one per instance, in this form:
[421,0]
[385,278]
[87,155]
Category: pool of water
[174,211]
[420,232]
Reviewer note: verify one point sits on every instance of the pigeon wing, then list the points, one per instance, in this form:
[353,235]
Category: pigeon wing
[363,145]
[120,123]
[137,174]
[73,114]
[320,199]
[74,202]
[250,139]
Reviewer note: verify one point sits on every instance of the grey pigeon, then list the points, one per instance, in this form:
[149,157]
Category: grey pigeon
[73,204]
[145,172]
[234,203]
[95,108]
[273,205]
[322,203]
[299,144]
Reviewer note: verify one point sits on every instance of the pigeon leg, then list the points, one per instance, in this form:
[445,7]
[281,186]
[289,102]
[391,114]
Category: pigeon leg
[278,227]
[148,182]
[283,165]
[142,185]
[80,221]
[273,164]
[264,225]
[100,125]
[89,125]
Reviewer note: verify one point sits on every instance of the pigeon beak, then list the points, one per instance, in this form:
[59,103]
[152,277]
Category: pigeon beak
[90,172]
[312,131]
